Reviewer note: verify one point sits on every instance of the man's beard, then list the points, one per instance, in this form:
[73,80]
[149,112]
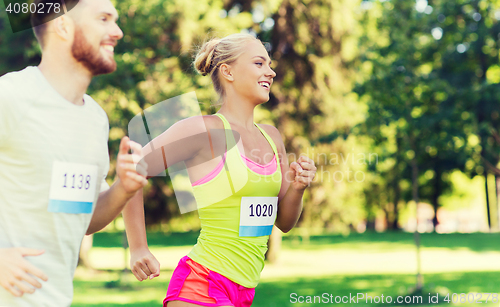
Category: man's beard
[92,60]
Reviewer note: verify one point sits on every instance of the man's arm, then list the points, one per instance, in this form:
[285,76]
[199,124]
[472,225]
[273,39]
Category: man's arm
[131,178]
[17,275]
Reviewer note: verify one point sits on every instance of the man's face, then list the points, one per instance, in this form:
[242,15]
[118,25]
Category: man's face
[96,34]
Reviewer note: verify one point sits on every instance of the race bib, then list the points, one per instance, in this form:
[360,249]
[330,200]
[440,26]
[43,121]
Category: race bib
[257,216]
[72,187]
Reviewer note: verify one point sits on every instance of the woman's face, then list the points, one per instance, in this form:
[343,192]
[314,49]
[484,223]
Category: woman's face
[252,73]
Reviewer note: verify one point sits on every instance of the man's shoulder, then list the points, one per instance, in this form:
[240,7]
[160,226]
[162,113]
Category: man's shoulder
[19,77]
[18,83]
[15,88]
[96,108]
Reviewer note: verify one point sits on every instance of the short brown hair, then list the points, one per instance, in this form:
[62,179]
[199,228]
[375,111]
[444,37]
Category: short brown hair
[43,14]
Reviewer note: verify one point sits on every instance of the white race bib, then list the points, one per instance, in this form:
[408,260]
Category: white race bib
[72,188]
[257,216]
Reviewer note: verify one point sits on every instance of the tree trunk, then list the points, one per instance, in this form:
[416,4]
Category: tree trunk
[273,245]
[395,183]
[414,172]
[435,196]
[370,224]
[487,198]
[397,196]
[83,259]
[497,189]
[482,116]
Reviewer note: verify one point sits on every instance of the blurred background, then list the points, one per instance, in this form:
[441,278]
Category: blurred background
[397,102]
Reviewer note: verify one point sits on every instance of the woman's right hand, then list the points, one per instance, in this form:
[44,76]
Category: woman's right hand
[144,264]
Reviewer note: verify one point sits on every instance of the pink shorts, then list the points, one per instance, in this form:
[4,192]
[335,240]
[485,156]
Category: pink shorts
[194,283]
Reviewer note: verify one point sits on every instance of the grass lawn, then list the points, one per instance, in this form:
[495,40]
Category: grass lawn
[369,264]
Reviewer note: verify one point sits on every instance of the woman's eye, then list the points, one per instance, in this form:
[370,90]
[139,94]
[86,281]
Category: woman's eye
[259,63]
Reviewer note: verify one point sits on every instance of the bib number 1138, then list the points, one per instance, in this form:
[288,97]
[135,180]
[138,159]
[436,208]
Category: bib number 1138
[77,181]
[72,188]
[257,216]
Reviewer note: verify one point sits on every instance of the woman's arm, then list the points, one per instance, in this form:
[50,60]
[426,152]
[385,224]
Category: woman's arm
[295,179]
[179,143]
[142,262]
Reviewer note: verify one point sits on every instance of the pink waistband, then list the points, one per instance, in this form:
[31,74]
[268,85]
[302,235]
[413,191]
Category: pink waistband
[260,169]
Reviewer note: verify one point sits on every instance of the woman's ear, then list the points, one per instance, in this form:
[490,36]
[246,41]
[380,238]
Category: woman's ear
[226,73]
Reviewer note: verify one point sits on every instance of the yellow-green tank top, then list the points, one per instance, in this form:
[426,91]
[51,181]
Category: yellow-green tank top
[220,246]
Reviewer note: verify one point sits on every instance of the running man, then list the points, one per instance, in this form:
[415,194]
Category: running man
[54,157]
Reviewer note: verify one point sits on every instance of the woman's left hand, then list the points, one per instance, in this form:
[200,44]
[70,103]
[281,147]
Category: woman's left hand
[302,173]
[144,264]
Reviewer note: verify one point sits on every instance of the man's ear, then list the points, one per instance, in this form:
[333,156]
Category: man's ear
[226,73]
[63,27]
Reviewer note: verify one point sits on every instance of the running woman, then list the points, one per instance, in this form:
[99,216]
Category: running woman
[240,194]
[54,156]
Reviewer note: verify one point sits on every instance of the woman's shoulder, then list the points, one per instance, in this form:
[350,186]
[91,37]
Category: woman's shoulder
[213,122]
[200,123]
[273,132]
[270,129]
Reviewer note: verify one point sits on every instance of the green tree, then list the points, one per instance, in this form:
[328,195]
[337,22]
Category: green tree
[413,111]
[17,50]
[314,46]
[470,64]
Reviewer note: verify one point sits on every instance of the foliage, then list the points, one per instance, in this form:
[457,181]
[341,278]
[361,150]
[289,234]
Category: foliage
[424,105]
[428,96]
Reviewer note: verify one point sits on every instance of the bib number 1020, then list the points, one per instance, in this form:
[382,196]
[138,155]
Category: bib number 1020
[77,181]
[261,210]
[257,215]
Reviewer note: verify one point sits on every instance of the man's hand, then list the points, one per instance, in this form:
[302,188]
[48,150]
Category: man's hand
[131,173]
[131,168]
[17,273]
[144,264]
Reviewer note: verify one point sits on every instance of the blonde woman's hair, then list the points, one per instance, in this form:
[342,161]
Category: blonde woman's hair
[216,52]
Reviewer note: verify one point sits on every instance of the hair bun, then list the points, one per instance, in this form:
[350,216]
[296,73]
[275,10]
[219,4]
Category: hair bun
[204,60]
